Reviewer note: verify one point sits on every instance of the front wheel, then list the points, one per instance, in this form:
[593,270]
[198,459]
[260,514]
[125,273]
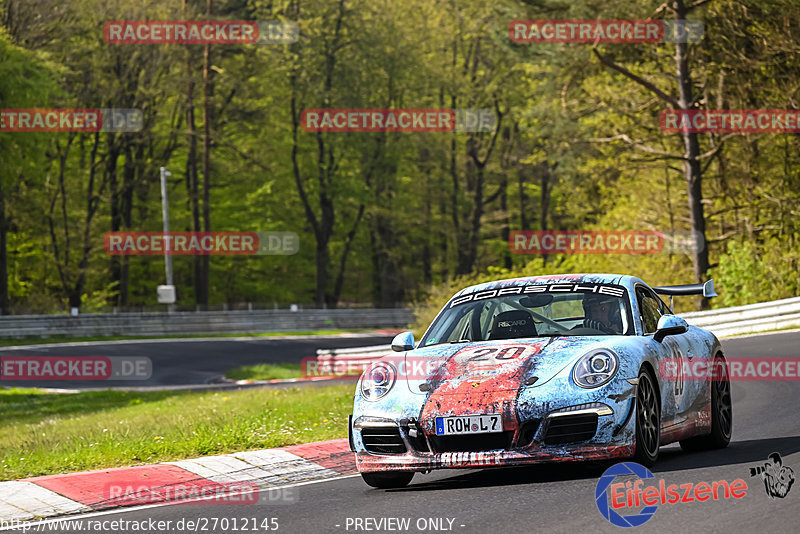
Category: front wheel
[721,413]
[648,421]
[388,480]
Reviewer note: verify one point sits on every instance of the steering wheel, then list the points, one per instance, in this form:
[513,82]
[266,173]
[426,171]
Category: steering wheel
[560,328]
[586,331]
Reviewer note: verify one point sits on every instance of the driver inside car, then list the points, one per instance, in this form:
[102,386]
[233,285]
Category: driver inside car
[601,312]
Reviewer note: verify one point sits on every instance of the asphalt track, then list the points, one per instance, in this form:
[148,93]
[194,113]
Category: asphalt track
[555,498]
[189,361]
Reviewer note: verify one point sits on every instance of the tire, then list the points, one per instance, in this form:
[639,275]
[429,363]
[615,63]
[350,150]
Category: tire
[388,480]
[648,420]
[721,414]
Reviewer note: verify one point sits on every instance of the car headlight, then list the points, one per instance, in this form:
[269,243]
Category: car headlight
[595,368]
[378,380]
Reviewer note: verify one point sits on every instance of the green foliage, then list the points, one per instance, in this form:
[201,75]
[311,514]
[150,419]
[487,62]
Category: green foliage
[560,160]
[750,273]
[44,433]
[265,371]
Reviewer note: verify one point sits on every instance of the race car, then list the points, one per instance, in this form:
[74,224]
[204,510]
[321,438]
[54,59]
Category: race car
[541,369]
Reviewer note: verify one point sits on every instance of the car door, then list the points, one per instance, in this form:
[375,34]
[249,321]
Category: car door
[687,350]
[650,311]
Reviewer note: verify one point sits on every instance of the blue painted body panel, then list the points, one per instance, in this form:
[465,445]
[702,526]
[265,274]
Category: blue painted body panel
[452,386]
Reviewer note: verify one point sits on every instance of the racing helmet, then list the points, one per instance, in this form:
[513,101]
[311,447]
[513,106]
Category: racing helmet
[593,299]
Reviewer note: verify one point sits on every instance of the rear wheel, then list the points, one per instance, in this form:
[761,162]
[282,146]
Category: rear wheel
[648,421]
[721,413]
[388,480]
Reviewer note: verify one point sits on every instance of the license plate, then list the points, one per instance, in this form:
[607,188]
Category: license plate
[468,424]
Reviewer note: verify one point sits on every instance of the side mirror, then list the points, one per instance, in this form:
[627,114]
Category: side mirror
[403,342]
[708,289]
[670,325]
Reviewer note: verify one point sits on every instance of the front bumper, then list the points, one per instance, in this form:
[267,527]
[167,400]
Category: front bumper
[416,461]
[538,433]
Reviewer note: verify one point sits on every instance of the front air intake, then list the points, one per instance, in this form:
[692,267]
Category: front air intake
[383,440]
[570,428]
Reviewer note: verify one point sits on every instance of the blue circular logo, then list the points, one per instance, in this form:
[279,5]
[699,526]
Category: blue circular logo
[601,496]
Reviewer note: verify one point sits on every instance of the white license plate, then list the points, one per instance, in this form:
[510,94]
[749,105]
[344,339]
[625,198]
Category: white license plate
[468,424]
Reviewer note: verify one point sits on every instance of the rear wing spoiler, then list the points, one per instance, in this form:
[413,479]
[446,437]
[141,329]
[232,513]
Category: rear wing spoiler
[707,290]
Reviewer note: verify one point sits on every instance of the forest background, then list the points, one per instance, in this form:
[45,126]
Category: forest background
[391,219]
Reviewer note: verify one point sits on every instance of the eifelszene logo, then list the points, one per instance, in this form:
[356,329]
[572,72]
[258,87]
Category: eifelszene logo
[607,509]
[630,496]
[778,478]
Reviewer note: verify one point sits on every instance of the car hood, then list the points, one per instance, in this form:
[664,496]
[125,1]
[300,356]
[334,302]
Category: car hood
[463,369]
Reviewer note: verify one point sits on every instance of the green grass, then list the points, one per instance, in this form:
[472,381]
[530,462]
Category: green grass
[38,340]
[265,371]
[47,433]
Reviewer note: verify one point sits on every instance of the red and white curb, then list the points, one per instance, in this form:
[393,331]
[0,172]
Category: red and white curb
[56,495]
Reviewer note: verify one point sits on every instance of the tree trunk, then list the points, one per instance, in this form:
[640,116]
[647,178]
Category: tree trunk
[92,202]
[505,230]
[322,262]
[203,298]
[544,201]
[333,301]
[191,174]
[129,178]
[4,300]
[427,261]
[116,218]
[691,165]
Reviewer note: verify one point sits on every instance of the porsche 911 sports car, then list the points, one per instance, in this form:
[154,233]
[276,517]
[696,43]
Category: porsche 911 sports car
[540,369]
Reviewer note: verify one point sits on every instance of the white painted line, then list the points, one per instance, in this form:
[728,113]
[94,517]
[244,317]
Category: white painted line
[36,500]
[189,340]
[222,469]
[755,334]
[78,517]
[284,466]
[11,513]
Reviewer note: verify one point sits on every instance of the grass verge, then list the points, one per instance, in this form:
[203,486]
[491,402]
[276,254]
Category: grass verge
[265,371]
[47,433]
[38,340]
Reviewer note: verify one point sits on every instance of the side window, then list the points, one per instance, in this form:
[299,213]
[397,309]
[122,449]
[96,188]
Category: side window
[649,307]
[665,310]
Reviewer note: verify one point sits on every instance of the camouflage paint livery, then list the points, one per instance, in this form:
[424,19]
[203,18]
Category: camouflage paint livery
[530,384]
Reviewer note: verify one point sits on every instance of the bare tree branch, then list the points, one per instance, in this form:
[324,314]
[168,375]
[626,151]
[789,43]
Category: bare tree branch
[696,3]
[641,81]
[636,144]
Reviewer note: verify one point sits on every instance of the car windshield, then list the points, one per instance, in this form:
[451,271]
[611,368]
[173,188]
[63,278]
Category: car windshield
[551,311]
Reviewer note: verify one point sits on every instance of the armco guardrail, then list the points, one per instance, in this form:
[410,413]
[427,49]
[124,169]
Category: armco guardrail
[748,319]
[344,361]
[723,322]
[215,322]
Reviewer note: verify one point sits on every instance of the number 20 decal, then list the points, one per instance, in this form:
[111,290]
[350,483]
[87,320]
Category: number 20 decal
[502,354]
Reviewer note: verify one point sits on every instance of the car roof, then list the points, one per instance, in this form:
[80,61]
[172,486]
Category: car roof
[580,278]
